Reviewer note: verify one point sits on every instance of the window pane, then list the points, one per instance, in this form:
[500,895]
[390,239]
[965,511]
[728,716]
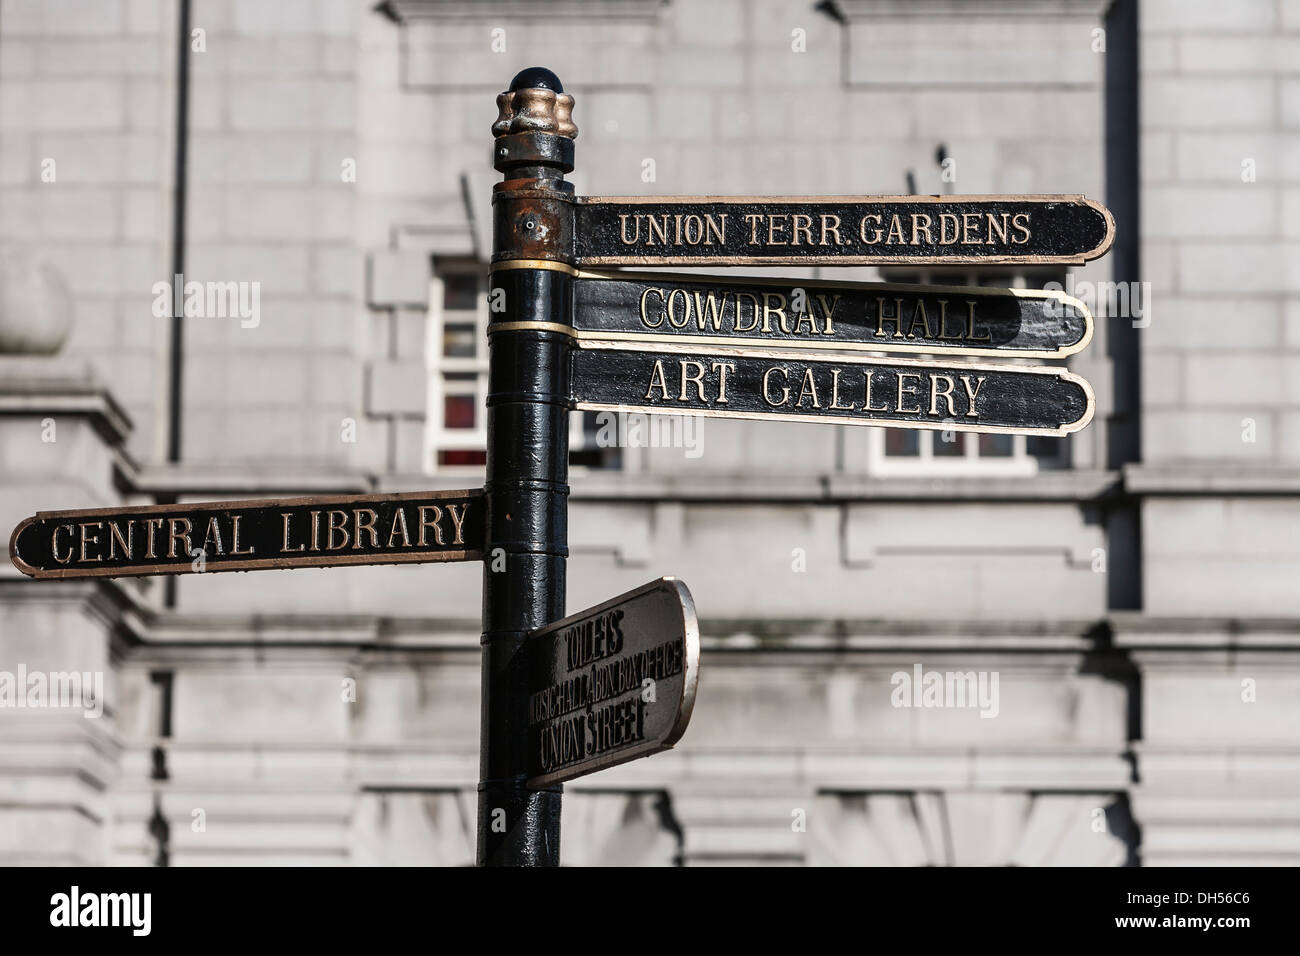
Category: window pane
[949,278]
[954,447]
[460,291]
[458,411]
[1043,446]
[901,442]
[459,339]
[996,446]
[462,457]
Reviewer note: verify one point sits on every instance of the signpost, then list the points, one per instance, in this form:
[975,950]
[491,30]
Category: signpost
[839,230]
[819,387]
[689,311]
[613,683]
[563,697]
[247,535]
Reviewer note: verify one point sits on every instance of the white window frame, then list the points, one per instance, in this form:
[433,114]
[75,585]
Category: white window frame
[438,437]
[1019,464]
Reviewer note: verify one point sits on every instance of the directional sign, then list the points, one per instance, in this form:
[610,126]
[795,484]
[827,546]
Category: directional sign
[613,683]
[244,535]
[821,387]
[839,230]
[693,311]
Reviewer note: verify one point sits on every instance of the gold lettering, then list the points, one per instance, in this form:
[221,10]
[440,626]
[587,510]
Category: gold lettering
[1022,226]
[213,530]
[711,229]
[710,310]
[697,379]
[802,224]
[830,227]
[457,519]
[285,518]
[882,318]
[54,544]
[970,325]
[944,220]
[785,389]
[971,393]
[966,228]
[173,536]
[152,524]
[809,317]
[906,390]
[769,310]
[622,229]
[722,368]
[919,312]
[658,371]
[753,219]
[807,386]
[875,233]
[935,394]
[828,310]
[359,526]
[895,229]
[672,312]
[943,324]
[866,405]
[399,518]
[775,227]
[336,520]
[753,327]
[994,227]
[234,544]
[835,393]
[315,530]
[652,226]
[645,319]
[920,224]
[115,538]
[426,523]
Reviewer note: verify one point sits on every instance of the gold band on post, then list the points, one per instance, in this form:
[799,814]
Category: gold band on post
[550,264]
[534,326]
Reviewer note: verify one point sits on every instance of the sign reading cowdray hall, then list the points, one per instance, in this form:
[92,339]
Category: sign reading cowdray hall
[566,696]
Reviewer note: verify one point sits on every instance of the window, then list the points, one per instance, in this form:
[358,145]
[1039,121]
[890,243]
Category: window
[457,361]
[898,451]
[456,355]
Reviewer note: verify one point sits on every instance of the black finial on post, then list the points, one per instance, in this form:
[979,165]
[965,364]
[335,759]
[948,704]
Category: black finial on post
[536,78]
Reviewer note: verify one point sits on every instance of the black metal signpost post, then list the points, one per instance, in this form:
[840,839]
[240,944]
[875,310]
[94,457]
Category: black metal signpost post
[563,697]
[527,461]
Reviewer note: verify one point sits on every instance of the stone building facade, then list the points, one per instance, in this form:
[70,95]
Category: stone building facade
[1133,588]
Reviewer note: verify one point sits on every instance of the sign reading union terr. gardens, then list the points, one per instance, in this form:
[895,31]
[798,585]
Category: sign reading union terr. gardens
[839,230]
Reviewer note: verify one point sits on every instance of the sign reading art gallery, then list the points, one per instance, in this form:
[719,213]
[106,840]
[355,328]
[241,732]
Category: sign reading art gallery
[245,535]
[818,387]
[613,683]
